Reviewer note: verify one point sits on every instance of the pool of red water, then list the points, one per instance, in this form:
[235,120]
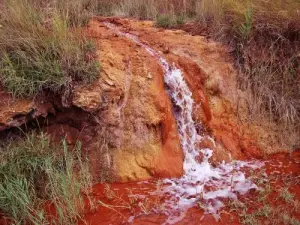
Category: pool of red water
[130,203]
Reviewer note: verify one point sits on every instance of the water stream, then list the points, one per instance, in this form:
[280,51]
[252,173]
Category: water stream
[202,183]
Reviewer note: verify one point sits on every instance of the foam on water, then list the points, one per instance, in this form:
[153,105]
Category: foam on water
[202,183]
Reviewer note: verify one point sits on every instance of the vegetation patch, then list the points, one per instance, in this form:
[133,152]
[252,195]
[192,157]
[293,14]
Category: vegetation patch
[169,21]
[141,9]
[38,49]
[269,205]
[41,182]
[266,39]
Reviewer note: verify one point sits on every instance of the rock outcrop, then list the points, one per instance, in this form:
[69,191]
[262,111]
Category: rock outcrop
[139,137]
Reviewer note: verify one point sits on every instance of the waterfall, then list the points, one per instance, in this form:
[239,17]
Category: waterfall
[202,183]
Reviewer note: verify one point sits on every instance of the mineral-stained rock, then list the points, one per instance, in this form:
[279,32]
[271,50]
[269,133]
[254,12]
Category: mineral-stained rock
[138,129]
[125,118]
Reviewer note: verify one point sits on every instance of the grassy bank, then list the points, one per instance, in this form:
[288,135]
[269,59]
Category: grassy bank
[34,174]
[266,39]
[41,49]
[264,34]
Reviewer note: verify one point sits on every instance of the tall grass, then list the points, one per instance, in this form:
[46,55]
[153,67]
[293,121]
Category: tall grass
[39,51]
[266,37]
[141,9]
[151,9]
[35,174]
[78,12]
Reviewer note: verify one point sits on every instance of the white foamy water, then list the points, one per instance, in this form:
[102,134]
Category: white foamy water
[202,183]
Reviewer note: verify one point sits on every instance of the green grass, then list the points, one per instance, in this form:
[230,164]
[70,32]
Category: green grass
[265,207]
[39,51]
[35,173]
[169,21]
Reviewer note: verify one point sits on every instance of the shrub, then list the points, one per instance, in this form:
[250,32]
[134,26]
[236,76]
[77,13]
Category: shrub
[165,21]
[38,51]
[34,174]
[141,9]
[169,21]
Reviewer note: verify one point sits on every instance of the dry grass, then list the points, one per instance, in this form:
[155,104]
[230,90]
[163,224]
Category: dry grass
[272,204]
[266,39]
[38,50]
[141,9]
[151,9]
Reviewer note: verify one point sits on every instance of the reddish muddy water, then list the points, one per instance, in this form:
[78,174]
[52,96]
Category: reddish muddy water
[135,203]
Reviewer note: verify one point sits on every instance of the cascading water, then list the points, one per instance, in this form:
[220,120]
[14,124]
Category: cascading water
[202,183]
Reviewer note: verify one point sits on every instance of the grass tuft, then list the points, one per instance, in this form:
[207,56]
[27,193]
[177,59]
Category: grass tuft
[38,49]
[169,21]
[266,38]
[141,9]
[286,195]
[35,176]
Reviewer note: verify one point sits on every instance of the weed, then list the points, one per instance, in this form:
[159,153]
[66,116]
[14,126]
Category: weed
[36,175]
[249,219]
[285,195]
[165,21]
[246,27]
[236,205]
[150,9]
[265,211]
[38,51]
[264,192]
[75,12]
[288,220]
[169,21]
[266,39]
[141,9]
[119,201]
